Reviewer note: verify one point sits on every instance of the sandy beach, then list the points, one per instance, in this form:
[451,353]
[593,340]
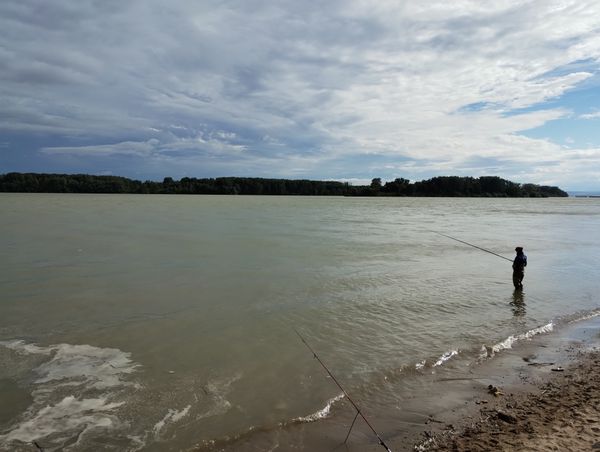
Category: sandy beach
[553,407]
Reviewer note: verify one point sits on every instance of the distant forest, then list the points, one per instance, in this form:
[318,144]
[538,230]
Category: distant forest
[486,186]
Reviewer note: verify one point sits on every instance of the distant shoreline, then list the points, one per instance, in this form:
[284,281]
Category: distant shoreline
[442,186]
[585,194]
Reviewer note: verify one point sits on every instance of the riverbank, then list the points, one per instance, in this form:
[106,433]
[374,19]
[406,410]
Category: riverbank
[545,396]
[554,404]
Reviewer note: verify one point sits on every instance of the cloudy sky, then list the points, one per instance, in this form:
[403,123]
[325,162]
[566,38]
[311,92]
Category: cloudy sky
[342,89]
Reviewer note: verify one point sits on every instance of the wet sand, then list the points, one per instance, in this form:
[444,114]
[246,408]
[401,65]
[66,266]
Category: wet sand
[560,414]
[553,404]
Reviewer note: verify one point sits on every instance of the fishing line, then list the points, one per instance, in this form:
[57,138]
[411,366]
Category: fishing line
[358,411]
[474,246]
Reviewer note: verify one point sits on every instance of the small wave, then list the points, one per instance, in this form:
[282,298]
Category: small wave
[585,316]
[322,413]
[227,441]
[445,357]
[488,352]
[210,399]
[421,365]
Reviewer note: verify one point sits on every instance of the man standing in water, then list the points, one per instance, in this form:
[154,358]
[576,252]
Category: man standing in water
[518,266]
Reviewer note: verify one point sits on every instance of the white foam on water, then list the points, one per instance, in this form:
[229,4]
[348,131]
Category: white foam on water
[220,407]
[138,442]
[445,357]
[210,402]
[322,413]
[22,347]
[420,365]
[101,367]
[171,416]
[70,414]
[488,352]
[78,388]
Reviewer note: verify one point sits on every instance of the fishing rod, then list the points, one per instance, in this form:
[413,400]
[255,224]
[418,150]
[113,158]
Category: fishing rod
[358,411]
[474,246]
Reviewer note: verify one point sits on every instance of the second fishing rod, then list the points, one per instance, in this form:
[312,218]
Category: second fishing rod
[356,407]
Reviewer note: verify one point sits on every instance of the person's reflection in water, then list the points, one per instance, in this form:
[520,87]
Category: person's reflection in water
[518,303]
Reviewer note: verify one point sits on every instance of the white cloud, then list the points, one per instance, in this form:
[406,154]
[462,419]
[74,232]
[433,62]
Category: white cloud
[124,148]
[297,87]
[214,144]
[593,115]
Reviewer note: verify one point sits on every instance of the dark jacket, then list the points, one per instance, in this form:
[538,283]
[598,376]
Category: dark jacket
[520,262]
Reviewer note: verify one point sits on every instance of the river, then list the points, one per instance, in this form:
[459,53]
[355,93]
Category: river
[149,322]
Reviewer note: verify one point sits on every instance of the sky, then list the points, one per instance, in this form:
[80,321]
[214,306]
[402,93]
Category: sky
[339,90]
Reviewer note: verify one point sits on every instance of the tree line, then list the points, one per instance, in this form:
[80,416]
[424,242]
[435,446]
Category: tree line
[485,186]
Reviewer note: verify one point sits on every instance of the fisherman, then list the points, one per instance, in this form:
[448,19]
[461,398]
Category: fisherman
[518,266]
